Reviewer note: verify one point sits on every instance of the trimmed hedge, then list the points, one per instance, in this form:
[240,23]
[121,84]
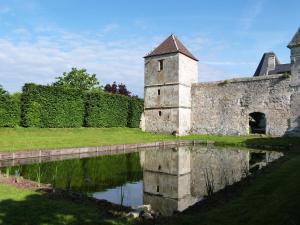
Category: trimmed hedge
[136,108]
[9,110]
[50,106]
[106,110]
[58,107]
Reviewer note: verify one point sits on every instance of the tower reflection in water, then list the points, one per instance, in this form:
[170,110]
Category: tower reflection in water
[176,178]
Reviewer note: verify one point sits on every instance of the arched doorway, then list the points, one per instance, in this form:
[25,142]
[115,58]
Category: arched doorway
[257,123]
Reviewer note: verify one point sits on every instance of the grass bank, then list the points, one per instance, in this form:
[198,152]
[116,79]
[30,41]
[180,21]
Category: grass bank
[16,139]
[21,206]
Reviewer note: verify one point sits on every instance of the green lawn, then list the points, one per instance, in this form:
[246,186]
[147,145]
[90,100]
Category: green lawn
[14,139]
[20,206]
[272,198]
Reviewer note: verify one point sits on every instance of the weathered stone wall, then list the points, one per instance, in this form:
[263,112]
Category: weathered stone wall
[223,107]
[219,167]
[168,93]
[294,125]
[295,63]
[294,122]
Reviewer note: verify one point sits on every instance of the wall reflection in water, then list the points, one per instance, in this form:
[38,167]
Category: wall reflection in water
[178,177]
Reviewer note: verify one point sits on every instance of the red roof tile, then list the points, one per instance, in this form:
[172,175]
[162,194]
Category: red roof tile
[171,45]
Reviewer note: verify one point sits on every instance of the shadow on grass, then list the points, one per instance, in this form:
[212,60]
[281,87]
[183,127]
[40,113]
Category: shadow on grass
[284,143]
[37,209]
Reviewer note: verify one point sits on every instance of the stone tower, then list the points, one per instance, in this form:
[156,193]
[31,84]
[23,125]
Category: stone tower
[170,70]
[294,45]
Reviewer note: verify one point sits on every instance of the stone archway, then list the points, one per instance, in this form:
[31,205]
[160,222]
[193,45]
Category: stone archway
[257,123]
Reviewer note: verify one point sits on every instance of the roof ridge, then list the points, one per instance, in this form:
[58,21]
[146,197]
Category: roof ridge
[174,39]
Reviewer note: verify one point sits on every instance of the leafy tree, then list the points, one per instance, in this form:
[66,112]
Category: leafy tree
[117,89]
[2,91]
[78,78]
[113,88]
[123,90]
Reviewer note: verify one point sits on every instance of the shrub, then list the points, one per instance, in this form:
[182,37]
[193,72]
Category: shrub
[9,109]
[50,106]
[106,110]
[136,108]
[58,106]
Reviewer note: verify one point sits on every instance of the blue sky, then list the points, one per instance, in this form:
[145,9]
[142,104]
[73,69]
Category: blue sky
[41,39]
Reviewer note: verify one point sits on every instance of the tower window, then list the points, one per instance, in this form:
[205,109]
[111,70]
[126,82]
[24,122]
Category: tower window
[160,65]
[157,188]
[158,91]
[159,113]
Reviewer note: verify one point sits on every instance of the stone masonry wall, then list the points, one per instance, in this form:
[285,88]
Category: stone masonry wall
[223,107]
[294,123]
[167,93]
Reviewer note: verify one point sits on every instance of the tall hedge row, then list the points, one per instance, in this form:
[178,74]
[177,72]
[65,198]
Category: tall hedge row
[9,110]
[106,110]
[49,106]
[136,108]
[52,106]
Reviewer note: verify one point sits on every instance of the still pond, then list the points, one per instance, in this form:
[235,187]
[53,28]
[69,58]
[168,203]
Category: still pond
[169,179]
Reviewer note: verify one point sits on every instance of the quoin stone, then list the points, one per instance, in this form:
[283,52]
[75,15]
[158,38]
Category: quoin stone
[267,103]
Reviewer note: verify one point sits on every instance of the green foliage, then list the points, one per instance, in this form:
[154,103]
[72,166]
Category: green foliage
[223,83]
[106,110]
[58,106]
[286,75]
[9,109]
[77,78]
[51,106]
[136,108]
[87,174]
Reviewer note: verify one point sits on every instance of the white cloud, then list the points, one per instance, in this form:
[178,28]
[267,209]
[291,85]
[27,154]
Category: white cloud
[252,12]
[46,57]
[209,72]
[110,27]
[227,63]
[44,53]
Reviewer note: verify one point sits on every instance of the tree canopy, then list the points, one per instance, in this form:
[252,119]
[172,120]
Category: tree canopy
[78,78]
[117,89]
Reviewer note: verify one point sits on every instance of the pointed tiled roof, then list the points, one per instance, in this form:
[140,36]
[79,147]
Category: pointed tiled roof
[171,45]
[296,40]
[262,68]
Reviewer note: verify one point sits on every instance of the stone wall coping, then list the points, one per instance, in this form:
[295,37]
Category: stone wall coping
[105,149]
[240,80]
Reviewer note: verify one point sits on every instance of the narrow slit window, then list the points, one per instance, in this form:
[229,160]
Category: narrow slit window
[157,188]
[160,65]
[159,113]
[158,91]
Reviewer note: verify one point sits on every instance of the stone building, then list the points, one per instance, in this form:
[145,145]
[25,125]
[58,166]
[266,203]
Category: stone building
[268,102]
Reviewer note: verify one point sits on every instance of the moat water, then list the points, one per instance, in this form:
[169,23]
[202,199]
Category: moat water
[169,179]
